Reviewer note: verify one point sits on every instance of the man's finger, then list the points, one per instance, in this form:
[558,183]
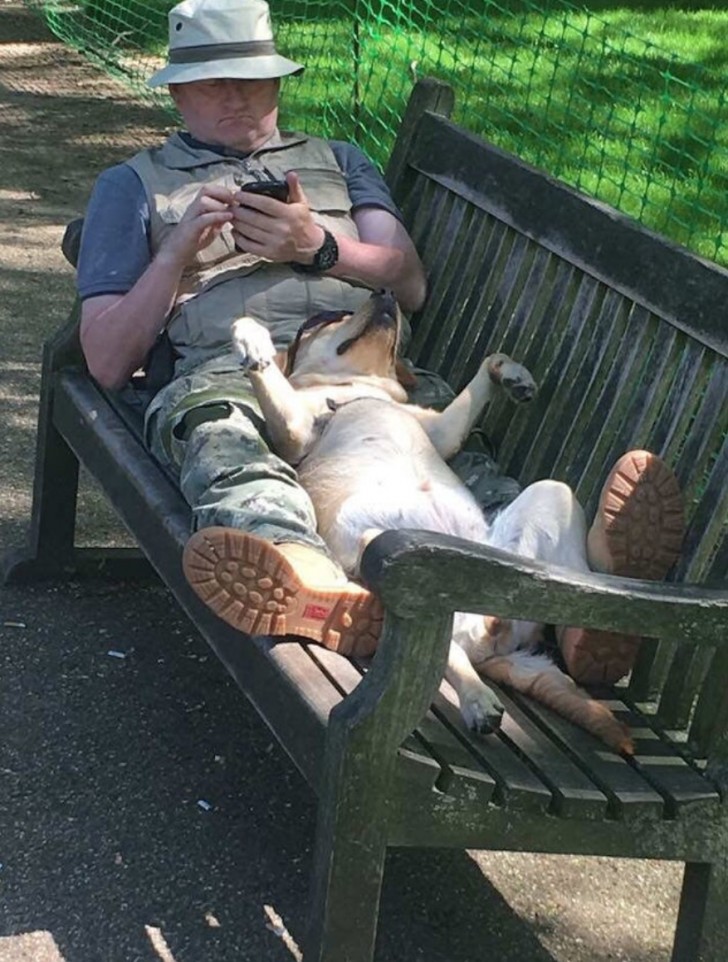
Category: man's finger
[296,194]
[217,192]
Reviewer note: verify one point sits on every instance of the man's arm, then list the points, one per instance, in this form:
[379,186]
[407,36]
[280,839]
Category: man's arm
[384,256]
[118,330]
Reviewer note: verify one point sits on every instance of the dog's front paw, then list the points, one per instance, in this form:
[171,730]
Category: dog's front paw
[252,343]
[514,378]
[481,710]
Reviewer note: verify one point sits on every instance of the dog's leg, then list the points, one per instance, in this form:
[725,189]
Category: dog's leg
[539,678]
[479,705]
[545,522]
[289,420]
[448,429]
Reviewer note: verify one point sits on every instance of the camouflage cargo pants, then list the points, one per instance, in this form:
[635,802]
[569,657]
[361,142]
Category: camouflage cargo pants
[206,428]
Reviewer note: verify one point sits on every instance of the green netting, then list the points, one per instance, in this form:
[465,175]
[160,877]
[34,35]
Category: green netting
[640,126]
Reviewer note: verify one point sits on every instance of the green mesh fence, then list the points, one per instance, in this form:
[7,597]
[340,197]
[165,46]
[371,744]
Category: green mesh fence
[574,92]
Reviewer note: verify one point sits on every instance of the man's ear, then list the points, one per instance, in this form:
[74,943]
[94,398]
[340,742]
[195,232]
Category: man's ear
[404,375]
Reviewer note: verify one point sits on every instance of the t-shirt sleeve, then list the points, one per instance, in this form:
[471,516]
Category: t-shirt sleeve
[365,184]
[114,250]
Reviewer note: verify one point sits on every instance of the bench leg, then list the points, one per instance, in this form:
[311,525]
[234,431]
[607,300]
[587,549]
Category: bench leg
[348,871]
[50,552]
[53,522]
[702,923]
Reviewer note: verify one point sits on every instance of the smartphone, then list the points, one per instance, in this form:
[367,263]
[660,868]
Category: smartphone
[277,189]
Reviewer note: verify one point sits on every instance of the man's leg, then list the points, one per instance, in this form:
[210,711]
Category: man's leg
[637,533]
[255,557]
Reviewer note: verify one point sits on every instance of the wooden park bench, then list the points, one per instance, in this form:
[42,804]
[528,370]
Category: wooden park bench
[626,334]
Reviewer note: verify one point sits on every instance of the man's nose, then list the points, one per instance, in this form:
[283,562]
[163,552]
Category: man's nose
[235,90]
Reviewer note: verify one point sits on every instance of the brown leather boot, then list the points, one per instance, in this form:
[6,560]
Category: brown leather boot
[637,533]
[263,588]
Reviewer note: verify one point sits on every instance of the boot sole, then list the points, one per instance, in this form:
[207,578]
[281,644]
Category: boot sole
[249,583]
[640,522]
[637,533]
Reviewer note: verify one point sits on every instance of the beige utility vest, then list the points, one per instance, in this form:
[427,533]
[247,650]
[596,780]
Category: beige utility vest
[222,283]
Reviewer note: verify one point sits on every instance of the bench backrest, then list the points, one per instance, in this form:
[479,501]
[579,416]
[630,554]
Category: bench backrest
[624,331]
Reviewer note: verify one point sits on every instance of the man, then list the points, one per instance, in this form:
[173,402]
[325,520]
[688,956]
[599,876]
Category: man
[170,241]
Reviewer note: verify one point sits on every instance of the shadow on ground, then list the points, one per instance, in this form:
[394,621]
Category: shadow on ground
[142,792]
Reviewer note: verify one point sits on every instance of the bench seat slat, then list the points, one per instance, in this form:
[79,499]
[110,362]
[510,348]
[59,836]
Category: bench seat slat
[574,794]
[663,766]
[457,774]
[630,796]
[519,788]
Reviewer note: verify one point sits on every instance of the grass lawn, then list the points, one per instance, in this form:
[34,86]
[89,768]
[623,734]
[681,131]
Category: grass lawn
[624,101]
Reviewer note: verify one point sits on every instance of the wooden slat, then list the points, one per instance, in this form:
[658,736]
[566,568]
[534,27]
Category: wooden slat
[513,427]
[517,786]
[707,525]
[665,278]
[688,666]
[477,333]
[663,766]
[428,348]
[710,721]
[457,775]
[539,456]
[574,794]
[629,795]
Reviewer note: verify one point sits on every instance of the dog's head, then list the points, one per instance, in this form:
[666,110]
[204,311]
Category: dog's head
[335,344]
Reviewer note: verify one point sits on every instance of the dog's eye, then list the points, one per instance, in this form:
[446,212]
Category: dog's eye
[323,317]
[345,345]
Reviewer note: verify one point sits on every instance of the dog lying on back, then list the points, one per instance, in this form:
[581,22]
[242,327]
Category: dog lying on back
[335,408]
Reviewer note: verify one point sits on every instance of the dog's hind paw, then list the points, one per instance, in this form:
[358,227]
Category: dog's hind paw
[252,343]
[514,378]
[481,711]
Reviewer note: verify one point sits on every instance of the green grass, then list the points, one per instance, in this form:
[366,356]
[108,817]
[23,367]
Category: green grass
[624,102]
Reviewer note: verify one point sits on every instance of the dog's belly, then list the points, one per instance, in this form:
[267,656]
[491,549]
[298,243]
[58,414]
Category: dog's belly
[374,468]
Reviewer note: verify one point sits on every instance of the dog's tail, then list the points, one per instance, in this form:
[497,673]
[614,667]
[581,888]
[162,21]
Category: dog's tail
[538,677]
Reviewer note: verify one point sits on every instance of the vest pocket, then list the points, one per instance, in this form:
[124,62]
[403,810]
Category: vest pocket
[326,191]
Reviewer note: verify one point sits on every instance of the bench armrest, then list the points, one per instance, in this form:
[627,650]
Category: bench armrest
[419,574]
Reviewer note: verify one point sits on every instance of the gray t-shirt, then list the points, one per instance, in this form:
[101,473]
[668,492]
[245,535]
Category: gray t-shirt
[115,249]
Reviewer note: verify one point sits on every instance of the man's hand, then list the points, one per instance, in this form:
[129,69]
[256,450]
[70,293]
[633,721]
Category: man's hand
[279,231]
[202,222]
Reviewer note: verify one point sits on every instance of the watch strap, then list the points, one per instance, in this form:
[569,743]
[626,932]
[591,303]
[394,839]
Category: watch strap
[323,260]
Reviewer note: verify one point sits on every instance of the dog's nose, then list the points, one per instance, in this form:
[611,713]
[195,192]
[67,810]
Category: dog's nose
[385,305]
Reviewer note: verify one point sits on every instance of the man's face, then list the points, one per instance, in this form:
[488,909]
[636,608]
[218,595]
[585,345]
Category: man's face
[232,113]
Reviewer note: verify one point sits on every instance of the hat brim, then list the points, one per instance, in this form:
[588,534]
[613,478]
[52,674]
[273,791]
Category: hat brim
[241,68]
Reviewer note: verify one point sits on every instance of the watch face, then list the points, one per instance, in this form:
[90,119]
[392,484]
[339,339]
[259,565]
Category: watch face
[328,254]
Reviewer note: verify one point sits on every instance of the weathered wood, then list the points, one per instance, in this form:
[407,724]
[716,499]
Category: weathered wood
[702,926]
[428,94]
[666,279]
[419,571]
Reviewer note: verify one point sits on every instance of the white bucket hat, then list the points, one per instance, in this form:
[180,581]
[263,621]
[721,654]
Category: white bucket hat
[220,39]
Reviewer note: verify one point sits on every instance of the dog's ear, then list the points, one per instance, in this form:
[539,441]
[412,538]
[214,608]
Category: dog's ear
[404,375]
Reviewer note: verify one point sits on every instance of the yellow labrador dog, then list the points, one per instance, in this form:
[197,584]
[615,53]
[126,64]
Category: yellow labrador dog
[335,408]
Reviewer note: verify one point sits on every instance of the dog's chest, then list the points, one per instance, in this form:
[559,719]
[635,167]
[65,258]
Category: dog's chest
[373,427]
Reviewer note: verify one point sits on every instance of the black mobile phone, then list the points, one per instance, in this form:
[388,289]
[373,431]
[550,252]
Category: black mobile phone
[277,189]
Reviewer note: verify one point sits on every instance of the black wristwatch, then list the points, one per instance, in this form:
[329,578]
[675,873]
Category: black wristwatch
[323,260]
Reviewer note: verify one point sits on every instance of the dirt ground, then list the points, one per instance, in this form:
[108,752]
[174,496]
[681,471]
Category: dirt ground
[146,813]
